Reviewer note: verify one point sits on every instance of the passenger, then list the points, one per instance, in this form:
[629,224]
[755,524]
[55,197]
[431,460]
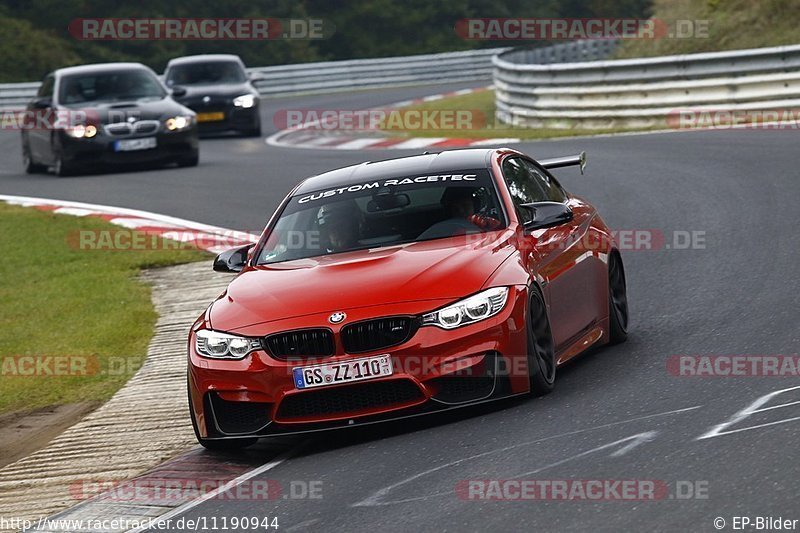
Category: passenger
[460,203]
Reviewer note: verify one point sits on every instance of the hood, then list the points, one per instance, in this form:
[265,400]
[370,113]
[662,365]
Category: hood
[440,269]
[107,112]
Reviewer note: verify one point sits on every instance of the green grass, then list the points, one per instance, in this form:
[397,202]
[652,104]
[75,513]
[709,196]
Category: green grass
[482,104]
[57,300]
[733,25]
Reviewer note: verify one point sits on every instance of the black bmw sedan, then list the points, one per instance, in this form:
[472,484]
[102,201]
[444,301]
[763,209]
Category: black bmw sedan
[217,87]
[106,114]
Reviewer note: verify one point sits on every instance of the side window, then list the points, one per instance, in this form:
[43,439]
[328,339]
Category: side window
[550,188]
[522,188]
[46,88]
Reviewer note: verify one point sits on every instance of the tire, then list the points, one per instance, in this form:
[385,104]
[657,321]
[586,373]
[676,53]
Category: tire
[228,445]
[255,132]
[62,169]
[541,350]
[617,300]
[189,161]
[31,167]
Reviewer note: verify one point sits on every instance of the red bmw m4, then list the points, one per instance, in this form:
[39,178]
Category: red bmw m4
[403,287]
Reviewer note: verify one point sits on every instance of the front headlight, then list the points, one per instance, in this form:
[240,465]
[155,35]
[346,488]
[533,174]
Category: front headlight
[81,132]
[245,101]
[219,345]
[181,122]
[469,310]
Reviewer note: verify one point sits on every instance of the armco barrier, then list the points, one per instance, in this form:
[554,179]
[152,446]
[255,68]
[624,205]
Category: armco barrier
[332,76]
[643,92]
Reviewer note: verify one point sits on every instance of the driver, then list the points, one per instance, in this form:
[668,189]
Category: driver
[340,226]
[460,203]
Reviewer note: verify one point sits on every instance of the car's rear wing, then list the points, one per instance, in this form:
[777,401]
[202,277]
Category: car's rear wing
[565,161]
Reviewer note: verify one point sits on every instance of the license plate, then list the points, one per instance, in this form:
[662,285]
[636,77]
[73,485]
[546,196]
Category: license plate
[342,372]
[129,145]
[210,117]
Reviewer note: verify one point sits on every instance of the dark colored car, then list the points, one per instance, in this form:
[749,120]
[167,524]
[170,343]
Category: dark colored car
[398,288]
[217,87]
[112,113]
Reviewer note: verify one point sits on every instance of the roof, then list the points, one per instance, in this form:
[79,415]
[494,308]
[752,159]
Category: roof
[436,163]
[98,67]
[202,58]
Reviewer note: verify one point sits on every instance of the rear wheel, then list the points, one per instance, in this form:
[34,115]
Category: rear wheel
[541,351]
[617,300]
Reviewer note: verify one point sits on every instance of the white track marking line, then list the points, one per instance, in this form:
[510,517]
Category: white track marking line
[418,142]
[74,211]
[136,222]
[751,409]
[224,488]
[374,499]
[491,142]
[358,144]
[635,440]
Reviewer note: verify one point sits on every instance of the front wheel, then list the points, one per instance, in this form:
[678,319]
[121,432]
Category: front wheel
[617,300]
[541,351]
[62,169]
[189,161]
[254,132]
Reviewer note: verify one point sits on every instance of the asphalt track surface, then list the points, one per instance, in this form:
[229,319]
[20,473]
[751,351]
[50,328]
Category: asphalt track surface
[617,413]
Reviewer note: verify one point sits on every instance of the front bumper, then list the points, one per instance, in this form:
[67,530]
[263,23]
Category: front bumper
[234,118]
[434,370]
[170,147]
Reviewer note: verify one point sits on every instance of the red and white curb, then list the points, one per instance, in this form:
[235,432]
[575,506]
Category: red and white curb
[319,139]
[201,236]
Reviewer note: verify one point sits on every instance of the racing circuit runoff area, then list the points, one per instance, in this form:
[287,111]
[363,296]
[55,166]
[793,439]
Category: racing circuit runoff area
[690,425]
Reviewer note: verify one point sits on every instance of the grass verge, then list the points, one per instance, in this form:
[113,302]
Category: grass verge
[732,25]
[74,324]
[481,105]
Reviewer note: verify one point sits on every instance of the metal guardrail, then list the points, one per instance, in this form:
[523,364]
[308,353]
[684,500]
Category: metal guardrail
[643,92]
[334,76]
[16,95]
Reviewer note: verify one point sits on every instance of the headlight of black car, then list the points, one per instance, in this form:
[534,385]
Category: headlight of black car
[179,122]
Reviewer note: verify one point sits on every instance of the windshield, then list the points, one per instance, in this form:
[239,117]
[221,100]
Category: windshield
[109,87]
[384,212]
[206,73]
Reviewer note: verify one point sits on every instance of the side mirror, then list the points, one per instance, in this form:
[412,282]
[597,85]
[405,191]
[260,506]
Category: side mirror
[42,103]
[255,76]
[547,214]
[233,260]
[178,92]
